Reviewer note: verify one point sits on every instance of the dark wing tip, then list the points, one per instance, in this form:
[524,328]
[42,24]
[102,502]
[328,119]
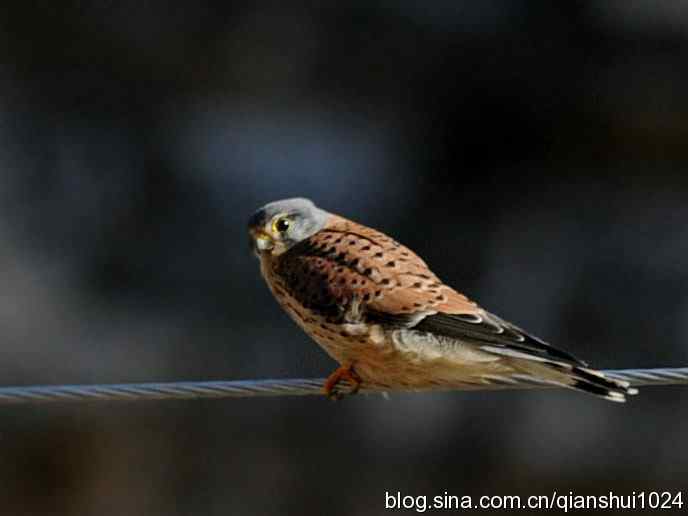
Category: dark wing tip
[489,329]
[593,382]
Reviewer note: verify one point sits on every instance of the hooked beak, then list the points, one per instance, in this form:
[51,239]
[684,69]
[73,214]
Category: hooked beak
[261,242]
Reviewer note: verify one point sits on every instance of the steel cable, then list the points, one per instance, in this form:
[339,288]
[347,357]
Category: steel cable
[282,387]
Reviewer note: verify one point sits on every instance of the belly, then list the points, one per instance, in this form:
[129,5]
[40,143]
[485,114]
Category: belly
[392,358]
[400,359]
[331,336]
[413,360]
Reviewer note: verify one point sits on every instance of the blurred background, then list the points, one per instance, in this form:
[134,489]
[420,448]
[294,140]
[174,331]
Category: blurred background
[534,154]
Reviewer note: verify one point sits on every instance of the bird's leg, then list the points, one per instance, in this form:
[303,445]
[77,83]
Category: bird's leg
[343,373]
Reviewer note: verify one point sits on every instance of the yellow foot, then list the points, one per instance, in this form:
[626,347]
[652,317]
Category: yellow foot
[346,374]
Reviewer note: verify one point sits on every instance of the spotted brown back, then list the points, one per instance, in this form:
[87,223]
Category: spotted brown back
[346,262]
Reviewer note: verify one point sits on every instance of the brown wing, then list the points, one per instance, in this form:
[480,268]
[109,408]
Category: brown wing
[346,262]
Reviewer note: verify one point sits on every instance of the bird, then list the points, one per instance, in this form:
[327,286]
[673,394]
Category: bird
[378,310]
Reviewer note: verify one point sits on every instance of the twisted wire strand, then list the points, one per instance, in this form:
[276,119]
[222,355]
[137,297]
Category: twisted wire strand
[284,387]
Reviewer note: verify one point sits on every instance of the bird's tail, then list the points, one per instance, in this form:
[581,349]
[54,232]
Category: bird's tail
[595,382]
[569,375]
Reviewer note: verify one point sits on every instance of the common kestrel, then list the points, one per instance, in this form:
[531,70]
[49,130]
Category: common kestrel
[377,309]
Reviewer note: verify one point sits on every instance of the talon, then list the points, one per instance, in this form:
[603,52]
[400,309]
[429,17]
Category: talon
[341,374]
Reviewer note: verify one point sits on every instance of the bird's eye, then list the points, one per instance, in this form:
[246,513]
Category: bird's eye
[281,225]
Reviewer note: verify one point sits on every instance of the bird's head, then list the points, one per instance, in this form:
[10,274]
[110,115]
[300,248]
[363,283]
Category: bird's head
[279,225]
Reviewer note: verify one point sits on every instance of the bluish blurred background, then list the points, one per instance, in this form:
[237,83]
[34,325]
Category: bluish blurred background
[534,153]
